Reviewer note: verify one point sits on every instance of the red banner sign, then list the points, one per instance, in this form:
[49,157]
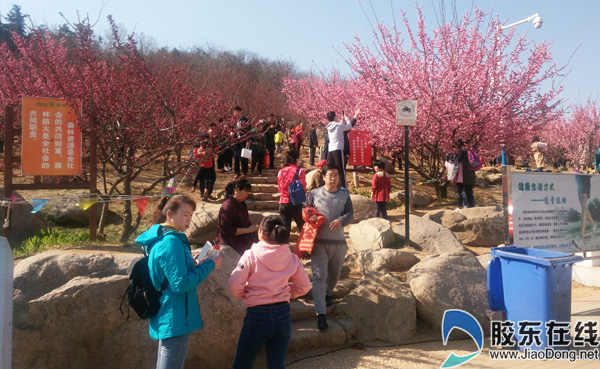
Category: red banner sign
[360,148]
[51,138]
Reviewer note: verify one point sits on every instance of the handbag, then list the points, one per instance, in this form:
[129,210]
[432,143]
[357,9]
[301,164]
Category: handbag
[247,153]
[266,160]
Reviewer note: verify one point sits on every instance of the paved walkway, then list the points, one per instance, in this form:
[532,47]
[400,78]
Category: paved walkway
[432,354]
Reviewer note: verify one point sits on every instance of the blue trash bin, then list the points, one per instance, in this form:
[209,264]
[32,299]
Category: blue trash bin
[531,285]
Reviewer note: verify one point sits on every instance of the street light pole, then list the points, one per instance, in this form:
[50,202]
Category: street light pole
[537,23]
[535,19]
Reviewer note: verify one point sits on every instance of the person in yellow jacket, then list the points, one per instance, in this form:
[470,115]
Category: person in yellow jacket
[278,141]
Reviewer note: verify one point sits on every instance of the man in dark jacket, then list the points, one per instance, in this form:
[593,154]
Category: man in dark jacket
[242,129]
[313,144]
[269,139]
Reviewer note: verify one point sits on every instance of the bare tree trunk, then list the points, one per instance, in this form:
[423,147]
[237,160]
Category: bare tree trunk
[127,215]
[102,221]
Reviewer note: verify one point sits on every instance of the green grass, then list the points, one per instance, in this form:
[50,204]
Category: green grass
[51,239]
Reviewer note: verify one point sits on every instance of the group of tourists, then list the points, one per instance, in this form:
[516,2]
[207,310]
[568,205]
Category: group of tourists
[268,273]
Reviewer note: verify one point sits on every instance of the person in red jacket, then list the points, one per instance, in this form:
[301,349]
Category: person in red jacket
[288,211]
[380,189]
[206,172]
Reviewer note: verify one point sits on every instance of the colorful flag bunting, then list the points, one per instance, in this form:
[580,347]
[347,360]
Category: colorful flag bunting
[86,203]
[38,204]
[141,205]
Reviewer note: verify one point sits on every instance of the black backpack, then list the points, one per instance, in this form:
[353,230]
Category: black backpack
[141,294]
[296,191]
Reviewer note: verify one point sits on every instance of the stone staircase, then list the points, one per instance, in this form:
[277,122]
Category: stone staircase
[306,335]
[265,193]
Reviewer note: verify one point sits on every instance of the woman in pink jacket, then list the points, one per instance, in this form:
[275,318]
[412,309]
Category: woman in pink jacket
[267,276]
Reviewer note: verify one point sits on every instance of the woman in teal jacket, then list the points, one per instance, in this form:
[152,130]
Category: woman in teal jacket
[170,259]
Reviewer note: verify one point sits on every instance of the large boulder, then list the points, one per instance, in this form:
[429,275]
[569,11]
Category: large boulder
[205,222]
[388,166]
[454,280]
[427,235]
[386,260]
[24,223]
[478,226]
[398,196]
[382,307]
[363,207]
[417,199]
[76,297]
[480,182]
[374,233]
[494,178]
[421,199]
[66,211]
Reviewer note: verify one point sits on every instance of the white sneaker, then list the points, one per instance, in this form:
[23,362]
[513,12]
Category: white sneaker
[579,242]
[457,209]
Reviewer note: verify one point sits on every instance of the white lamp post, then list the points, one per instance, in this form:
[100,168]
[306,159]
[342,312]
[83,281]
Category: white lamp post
[537,23]
[535,19]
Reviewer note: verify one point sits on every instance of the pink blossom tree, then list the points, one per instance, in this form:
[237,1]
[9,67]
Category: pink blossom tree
[576,136]
[470,80]
[141,111]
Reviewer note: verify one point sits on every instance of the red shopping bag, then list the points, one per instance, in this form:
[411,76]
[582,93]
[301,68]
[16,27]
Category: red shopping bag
[266,161]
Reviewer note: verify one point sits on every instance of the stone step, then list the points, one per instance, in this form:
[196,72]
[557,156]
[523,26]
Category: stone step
[265,188]
[261,196]
[302,309]
[306,335]
[271,179]
[262,205]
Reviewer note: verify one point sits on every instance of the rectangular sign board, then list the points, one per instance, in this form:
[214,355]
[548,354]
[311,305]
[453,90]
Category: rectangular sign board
[552,211]
[360,148]
[51,138]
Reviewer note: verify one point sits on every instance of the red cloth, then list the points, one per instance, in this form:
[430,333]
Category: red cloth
[285,177]
[199,153]
[306,241]
[381,187]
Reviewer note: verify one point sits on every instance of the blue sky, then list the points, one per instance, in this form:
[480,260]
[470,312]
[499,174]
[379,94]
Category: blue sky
[312,33]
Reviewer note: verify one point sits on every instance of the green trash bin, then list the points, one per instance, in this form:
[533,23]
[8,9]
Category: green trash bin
[531,285]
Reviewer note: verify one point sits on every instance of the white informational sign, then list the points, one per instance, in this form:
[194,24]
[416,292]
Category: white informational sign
[553,211]
[406,112]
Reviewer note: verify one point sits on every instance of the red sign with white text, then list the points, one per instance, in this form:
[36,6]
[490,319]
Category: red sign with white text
[360,148]
[51,138]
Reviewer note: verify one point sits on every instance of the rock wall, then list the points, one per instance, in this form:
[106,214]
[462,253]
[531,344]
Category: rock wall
[66,315]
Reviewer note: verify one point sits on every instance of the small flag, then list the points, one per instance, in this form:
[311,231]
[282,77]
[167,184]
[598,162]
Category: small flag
[168,191]
[141,203]
[38,204]
[86,203]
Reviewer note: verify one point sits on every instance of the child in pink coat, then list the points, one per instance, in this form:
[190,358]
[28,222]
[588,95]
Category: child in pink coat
[266,278]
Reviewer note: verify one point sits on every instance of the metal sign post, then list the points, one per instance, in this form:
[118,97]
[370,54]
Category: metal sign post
[406,115]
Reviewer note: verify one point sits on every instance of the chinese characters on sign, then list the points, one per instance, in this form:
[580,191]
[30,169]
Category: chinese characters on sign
[51,138]
[360,148]
[551,211]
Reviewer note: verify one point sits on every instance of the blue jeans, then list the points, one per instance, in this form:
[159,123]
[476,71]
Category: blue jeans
[172,352]
[269,326]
